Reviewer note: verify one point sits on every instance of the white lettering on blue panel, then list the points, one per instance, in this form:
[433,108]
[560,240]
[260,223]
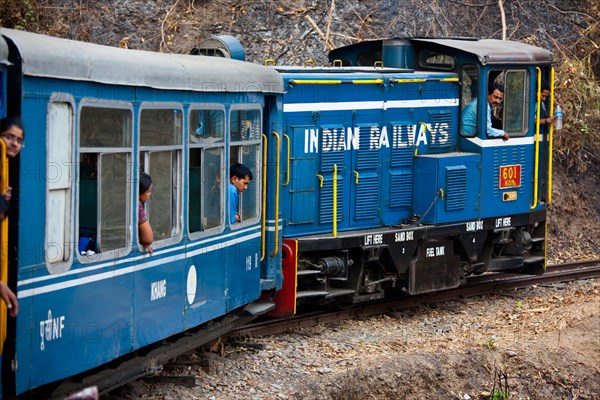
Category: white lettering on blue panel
[422,135]
[51,329]
[158,290]
[344,139]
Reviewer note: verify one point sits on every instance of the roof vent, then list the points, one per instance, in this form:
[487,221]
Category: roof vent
[221,46]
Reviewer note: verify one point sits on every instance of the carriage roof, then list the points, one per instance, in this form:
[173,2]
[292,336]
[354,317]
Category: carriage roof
[46,56]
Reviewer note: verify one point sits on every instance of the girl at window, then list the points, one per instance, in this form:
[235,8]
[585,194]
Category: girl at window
[13,136]
[146,236]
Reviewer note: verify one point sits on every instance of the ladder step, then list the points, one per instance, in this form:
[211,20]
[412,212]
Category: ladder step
[339,292]
[311,293]
[533,260]
[537,239]
[308,272]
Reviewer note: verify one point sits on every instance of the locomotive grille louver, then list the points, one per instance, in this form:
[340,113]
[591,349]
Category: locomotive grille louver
[456,188]
[510,156]
[367,193]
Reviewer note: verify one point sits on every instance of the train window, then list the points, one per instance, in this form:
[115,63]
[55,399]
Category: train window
[515,102]
[104,180]
[434,60]
[246,133]
[161,132]
[469,88]
[58,183]
[206,158]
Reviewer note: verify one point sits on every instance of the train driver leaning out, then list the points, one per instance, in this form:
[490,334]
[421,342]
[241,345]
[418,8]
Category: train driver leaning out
[469,114]
[239,178]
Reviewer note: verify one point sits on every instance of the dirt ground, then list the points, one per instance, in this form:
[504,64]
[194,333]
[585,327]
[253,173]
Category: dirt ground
[541,342]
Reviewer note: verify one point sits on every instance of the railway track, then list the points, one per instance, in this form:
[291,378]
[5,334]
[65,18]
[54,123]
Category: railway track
[476,286]
[234,327]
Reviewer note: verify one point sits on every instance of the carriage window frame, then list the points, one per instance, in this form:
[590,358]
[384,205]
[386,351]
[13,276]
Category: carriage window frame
[125,149]
[145,153]
[61,179]
[255,168]
[208,180]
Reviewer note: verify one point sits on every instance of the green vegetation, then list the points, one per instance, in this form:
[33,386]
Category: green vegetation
[491,343]
[498,395]
[17,14]
[519,304]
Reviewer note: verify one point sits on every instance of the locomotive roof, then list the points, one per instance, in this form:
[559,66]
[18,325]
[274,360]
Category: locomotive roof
[47,56]
[493,51]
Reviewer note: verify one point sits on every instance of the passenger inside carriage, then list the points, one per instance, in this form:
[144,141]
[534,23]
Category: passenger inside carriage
[146,236]
[13,136]
[239,177]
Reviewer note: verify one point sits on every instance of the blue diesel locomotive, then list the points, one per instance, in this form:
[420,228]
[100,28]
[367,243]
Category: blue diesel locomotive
[364,186]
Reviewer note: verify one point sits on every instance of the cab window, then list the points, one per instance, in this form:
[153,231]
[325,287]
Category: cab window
[515,102]
[469,89]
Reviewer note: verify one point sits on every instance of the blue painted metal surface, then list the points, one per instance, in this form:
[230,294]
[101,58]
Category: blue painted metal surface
[446,187]
[369,123]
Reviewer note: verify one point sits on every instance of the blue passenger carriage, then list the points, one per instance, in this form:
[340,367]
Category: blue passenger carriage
[95,117]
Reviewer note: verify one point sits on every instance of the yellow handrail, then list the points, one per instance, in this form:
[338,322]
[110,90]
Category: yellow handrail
[263,222]
[551,136]
[287,174]
[366,81]
[320,180]
[394,80]
[356,174]
[3,244]
[335,82]
[334,200]
[537,139]
[277,163]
